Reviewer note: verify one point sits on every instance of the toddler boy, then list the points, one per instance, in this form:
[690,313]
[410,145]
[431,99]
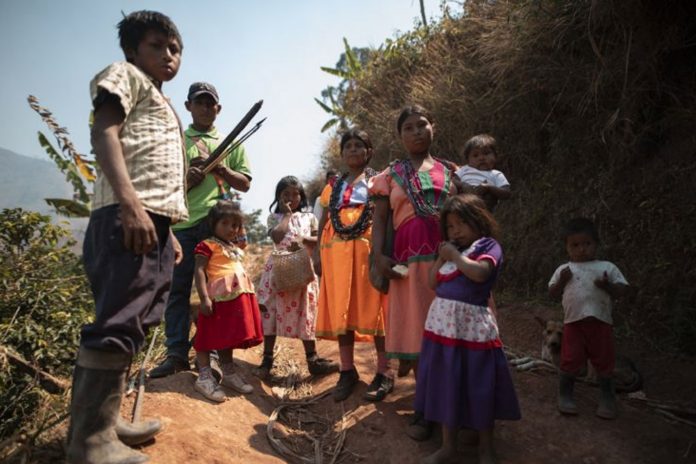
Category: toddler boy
[588,286]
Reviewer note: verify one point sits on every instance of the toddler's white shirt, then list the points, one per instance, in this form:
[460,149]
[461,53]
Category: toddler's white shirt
[581,297]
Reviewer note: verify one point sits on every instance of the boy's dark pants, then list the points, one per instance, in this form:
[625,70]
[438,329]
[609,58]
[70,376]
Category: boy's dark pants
[177,315]
[129,293]
[129,290]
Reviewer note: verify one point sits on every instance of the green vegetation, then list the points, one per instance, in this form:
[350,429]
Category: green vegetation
[44,301]
[79,170]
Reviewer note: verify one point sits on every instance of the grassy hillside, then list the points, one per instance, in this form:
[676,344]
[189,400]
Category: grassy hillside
[593,107]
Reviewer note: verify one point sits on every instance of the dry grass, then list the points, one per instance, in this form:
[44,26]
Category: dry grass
[592,104]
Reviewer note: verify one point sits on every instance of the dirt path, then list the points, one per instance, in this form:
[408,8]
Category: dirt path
[198,431]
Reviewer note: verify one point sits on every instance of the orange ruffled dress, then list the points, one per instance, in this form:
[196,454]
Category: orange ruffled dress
[347,300]
[235,322]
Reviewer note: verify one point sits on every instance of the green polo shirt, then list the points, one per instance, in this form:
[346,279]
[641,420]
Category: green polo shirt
[204,195]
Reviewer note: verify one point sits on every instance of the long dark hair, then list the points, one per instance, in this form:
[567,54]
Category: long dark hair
[285,182]
[472,210]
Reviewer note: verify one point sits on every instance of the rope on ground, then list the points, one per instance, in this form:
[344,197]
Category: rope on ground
[297,412]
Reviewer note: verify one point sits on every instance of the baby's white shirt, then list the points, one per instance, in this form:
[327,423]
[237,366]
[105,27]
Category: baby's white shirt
[473,176]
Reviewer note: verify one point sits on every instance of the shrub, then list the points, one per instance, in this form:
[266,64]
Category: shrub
[44,301]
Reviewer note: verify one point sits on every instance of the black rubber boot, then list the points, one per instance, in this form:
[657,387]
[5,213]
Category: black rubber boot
[133,434]
[98,383]
[607,399]
[566,403]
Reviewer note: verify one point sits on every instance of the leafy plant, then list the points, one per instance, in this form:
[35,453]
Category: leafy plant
[78,169]
[348,68]
[44,301]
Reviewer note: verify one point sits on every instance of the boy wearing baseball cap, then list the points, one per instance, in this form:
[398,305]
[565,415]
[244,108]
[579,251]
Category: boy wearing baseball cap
[201,138]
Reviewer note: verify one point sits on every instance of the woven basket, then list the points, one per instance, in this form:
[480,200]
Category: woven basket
[291,269]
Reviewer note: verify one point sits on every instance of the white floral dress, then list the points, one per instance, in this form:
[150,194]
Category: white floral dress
[293,313]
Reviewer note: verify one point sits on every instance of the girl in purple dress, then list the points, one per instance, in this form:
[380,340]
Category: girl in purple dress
[463,377]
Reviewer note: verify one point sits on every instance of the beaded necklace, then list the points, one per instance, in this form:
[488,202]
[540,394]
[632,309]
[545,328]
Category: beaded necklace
[364,220]
[228,249]
[414,189]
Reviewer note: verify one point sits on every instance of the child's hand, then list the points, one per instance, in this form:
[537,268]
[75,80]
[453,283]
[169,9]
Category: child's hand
[482,188]
[139,233]
[285,208]
[447,251]
[604,283]
[566,275]
[206,306]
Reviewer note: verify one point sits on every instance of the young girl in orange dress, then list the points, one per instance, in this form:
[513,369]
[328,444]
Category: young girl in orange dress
[290,313]
[347,301]
[229,314]
[412,190]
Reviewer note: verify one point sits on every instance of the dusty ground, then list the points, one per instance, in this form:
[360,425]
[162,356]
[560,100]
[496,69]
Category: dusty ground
[198,431]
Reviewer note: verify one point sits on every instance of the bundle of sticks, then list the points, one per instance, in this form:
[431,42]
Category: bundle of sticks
[231,141]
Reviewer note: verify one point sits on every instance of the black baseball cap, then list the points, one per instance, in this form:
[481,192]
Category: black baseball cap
[200,88]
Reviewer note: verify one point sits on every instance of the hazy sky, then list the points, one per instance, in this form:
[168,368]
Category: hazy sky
[250,50]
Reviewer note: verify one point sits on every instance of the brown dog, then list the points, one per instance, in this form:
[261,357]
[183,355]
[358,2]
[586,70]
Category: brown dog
[552,336]
[626,376]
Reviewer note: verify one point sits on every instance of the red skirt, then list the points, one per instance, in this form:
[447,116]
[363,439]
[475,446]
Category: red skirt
[233,324]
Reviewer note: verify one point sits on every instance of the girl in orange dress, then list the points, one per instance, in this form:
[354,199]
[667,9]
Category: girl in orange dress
[347,301]
[229,314]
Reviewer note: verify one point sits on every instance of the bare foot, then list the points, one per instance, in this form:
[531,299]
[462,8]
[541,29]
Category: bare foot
[441,456]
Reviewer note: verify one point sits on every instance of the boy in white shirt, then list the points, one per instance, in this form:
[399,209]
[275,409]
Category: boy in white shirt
[478,175]
[587,286]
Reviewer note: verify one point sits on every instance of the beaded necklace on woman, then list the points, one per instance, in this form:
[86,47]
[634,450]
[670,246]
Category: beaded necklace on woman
[364,221]
[414,189]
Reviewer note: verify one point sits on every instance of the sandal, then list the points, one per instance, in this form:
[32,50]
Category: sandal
[379,388]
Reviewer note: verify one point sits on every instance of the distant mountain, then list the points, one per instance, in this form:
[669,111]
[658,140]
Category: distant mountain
[25,182]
